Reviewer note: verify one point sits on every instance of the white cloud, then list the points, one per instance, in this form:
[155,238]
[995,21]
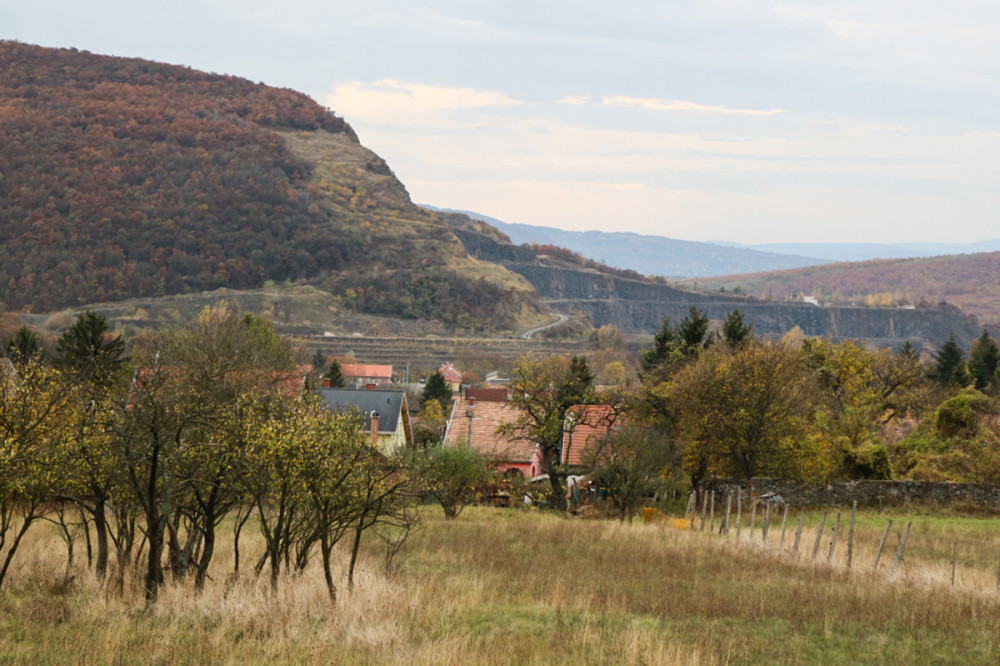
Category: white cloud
[653,104]
[576,100]
[408,104]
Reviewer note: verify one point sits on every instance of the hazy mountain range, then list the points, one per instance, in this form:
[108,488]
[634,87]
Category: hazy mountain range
[672,258]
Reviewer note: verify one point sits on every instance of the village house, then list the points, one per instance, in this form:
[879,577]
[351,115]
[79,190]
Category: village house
[583,428]
[452,377]
[360,375]
[475,423]
[387,418]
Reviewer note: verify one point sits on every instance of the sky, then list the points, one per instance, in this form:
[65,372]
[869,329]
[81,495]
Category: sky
[754,122]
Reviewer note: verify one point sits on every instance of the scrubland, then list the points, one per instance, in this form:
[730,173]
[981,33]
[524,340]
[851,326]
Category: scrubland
[524,587]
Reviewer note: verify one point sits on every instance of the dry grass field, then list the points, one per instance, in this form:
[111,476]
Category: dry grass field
[503,586]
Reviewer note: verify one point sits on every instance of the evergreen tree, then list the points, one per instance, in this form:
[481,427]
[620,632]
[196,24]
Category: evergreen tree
[949,367]
[335,375]
[83,347]
[578,387]
[736,331]
[907,352]
[436,388]
[24,345]
[664,344]
[319,363]
[692,330]
[984,360]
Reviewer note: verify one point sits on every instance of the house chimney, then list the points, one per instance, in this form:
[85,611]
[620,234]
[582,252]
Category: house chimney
[375,429]
[326,382]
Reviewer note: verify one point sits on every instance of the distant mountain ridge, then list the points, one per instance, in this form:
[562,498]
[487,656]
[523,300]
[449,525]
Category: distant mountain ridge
[867,251]
[969,281]
[650,255]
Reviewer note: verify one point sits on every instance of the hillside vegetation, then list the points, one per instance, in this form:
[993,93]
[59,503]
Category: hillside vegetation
[125,178]
[970,281]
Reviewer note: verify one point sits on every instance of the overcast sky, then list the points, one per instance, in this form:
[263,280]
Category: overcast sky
[862,120]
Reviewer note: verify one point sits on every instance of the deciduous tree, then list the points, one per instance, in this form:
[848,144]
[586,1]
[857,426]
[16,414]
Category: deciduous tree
[634,464]
[543,390]
[745,413]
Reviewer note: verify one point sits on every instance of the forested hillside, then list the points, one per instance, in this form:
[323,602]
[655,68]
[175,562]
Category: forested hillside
[122,178]
[970,281]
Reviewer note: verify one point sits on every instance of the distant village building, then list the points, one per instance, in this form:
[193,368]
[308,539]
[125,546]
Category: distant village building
[474,423]
[583,428]
[387,418]
[486,394]
[493,379]
[452,377]
[360,375]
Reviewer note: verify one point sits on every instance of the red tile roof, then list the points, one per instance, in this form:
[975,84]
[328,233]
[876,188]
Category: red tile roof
[589,424]
[486,418]
[450,374]
[486,394]
[366,371]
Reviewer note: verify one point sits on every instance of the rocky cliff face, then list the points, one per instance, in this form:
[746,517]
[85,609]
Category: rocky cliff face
[640,306]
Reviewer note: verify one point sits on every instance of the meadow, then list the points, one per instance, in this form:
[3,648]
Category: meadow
[505,586]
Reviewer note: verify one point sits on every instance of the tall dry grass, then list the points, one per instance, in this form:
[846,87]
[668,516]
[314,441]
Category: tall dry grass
[506,587]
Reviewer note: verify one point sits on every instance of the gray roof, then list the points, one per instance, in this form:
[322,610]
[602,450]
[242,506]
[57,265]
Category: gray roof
[388,404]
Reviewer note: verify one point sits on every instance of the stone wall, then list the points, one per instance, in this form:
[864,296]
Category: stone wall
[867,493]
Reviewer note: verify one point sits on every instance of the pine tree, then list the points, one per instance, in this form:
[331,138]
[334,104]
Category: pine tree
[25,344]
[436,388]
[664,343]
[984,361]
[319,363]
[334,374]
[949,367]
[83,347]
[692,330]
[907,352]
[736,331]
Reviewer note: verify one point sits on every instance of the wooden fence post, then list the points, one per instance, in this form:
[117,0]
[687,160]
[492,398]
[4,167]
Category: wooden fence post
[881,545]
[902,546]
[833,541]
[850,535]
[767,522]
[784,522]
[704,506]
[711,511]
[739,510]
[798,532]
[729,508]
[693,506]
[819,534]
[753,516]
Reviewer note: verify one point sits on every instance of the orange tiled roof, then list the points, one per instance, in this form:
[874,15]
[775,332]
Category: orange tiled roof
[487,417]
[591,422]
[450,374]
[487,394]
[366,371]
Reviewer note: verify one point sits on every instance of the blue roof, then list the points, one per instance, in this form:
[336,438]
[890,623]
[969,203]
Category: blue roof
[388,404]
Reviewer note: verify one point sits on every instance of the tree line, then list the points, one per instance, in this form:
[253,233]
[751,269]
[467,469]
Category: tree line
[732,405]
[150,453]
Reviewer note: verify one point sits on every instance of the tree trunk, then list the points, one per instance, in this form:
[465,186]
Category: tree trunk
[154,565]
[354,552]
[326,547]
[206,556]
[549,467]
[101,528]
